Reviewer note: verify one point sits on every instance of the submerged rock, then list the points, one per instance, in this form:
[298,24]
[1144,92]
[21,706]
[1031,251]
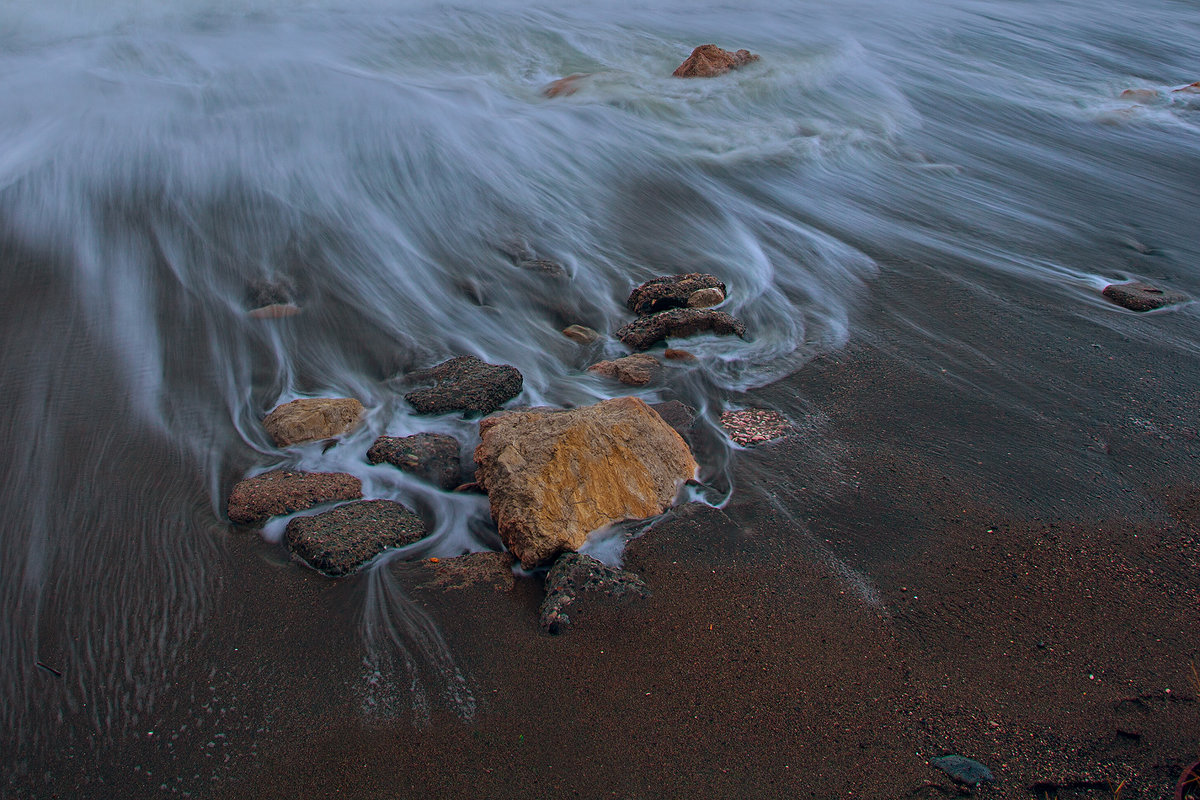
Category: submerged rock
[340,541]
[645,332]
[638,369]
[572,575]
[964,770]
[281,491]
[564,87]
[465,384]
[544,266]
[1142,296]
[708,61]
[274,311]
[671,354]
[672,291]
[553,477]
[473,569]
[429,456]
[581,334]
[752,426]
[311,419]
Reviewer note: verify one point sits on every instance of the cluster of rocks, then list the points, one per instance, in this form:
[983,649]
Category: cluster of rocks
[706,61]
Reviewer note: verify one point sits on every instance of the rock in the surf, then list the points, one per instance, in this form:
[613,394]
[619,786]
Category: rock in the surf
[553,477]
[311,419]
[493,570]
[430,456]
[340,541]
[671,354]
[564,87]
[645,332]
[576,574]
[679,416]
[282,491]
[638,369]
[580,334]
[672,291]
[1142,296]
[545,267]
[708,61]
[465,384]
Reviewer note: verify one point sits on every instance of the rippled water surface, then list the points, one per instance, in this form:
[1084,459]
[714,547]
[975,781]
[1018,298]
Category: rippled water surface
[385,160]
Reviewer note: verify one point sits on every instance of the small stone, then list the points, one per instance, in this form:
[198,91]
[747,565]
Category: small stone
[638,369]
[311,419]
[708,61]
[275,311]
[671,354]
[564,87]
[253,500]
[753,426]
[644,332]
[581,334]
[430,456]
[1191,88]
[472,487]
[964,770]
[340,541]
[572,575]
[544,266]
[706,298]
[494,570]
[671,291]
[1139,94]
[1142,296]
[465,384]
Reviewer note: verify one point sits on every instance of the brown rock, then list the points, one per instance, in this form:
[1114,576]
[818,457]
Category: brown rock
[282,491]
[554,477]
[274,311]
[708,61]
[671,354]
[706,298]
[638,369]
[644,332]
[473,569]
[1191,88]
[340,541]
[670,291]
[312,418]
[429,456]
[580,334]
[564,87]
[1139,94]
[1142,296]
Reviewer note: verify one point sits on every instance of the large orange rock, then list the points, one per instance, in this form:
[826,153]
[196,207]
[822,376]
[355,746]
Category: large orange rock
[708,61]
[553,477]
[313,418]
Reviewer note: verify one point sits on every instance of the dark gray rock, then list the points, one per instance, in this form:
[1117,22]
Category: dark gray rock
[281,491]
[964,770]
[1142,296]
[644,332]
[260,293]
[465,384]
[429,456]
[670,291]
[679,416]
[340,541]
[574,574]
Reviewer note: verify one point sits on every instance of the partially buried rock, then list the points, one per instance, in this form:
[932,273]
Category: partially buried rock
[429,456]
[493,570]
[672,291]
[572,575]
[752,426]
[274,311]
[638,369]
[645,332]
[964,770]
[340,541]
[1142,296]
[313,418]
[581,334]
[282,491]
[553,477]
[465,384]
[708,61]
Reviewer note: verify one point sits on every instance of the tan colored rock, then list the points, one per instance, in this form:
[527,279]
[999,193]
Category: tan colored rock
[581,334]
[274,311]
[554,477]
[564,87]
[708,61]
[671,354]
[313,418]
[638,369]
[706,298]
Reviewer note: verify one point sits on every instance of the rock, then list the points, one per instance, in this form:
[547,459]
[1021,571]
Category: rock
[554,477]
[473,569]
[581,334]
[429,456]
[1139,94]
[1191,88]
[465,384]
[471,487]
[313,418]
[964,770]
[670,291]
[544,266]
[647,331]
[1142,296]
[262,293]
[253,500]
[671,354]
[564,87]
[706,298]
[678,415]
[752,426]
[638,369]
[575,573]
[708,61]
[274,311]
[340,541]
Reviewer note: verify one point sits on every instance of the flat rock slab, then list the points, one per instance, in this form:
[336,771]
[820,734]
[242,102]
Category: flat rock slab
[340,541]
[493,570]
[575,574]
[672,291]
[1142,296]
[465,384]
[708,61]
[430,456]
[644,332]
[638,369]
[253,500]
[311,419]
[553,477]
[964,770]
[752,426]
